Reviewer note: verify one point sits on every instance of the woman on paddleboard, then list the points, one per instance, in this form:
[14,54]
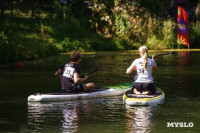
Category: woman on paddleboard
[70,72]
[143,81]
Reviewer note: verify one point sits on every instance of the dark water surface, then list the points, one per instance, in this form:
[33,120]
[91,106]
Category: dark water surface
[178,77]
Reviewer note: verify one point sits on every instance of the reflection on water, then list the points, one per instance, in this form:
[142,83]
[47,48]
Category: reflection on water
[183,62]
[183,59]
[178,77]
[139,118]
[68,116]
[70,119]
[104,114]
[43,115]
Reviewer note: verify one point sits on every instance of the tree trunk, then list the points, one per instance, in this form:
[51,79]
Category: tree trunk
[51,8]
[11,10]
[2,9]
[197,11]
[32,13]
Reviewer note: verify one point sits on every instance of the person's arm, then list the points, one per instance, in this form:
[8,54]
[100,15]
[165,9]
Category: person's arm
[130,69]
[155,66]
[57,73]
[78,80]
[155,69]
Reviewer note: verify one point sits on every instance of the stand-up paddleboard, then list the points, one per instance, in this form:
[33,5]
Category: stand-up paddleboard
[96,93]
[133,99]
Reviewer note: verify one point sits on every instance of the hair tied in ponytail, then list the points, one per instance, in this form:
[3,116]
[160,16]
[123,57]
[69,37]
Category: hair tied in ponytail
[144,50]
[145,61]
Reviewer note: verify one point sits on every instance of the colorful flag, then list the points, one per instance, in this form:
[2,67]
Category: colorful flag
[183,27]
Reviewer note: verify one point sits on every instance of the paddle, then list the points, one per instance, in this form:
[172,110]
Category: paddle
[171,52]
[99,68]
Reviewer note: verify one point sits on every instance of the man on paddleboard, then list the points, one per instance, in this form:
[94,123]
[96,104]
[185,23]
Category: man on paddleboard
[70,72]
[143,81]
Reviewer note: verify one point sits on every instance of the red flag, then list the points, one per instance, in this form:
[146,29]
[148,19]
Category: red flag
[183,27]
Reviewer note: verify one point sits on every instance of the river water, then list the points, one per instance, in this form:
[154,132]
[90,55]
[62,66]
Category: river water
[178,76]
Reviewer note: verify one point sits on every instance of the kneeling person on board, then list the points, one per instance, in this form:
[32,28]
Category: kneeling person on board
[143,81]
[70,80]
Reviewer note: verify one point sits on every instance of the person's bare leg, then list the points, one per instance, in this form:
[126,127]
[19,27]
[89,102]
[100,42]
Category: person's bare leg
[136,92]
[146,92]
[88,86]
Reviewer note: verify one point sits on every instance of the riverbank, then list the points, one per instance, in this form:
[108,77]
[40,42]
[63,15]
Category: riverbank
[30,39]
[131,51]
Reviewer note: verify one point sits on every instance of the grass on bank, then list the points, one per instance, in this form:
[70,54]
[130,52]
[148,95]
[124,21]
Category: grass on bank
[22,39]
[29,39]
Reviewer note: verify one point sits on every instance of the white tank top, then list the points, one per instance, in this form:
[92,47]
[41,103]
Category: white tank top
[143,75]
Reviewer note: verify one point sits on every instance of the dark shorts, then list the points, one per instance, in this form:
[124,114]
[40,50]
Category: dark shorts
[144,87]
[67,85]
[76,88]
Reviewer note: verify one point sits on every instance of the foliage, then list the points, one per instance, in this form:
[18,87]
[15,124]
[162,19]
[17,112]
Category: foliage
[122,25]
[29,40]
[4,46]
[194,34]
[169,34]
[35,39]
[71,45]
[131,21]
[152,6]
[47,28]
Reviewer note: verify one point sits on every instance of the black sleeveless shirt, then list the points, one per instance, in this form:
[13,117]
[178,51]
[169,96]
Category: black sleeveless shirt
[67,77]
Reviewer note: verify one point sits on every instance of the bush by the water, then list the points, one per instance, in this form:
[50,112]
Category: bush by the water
[31,39]
[32,30]
[24,39]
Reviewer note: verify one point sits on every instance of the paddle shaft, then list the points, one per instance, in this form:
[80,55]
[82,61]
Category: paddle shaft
[92,71]
[165,54]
